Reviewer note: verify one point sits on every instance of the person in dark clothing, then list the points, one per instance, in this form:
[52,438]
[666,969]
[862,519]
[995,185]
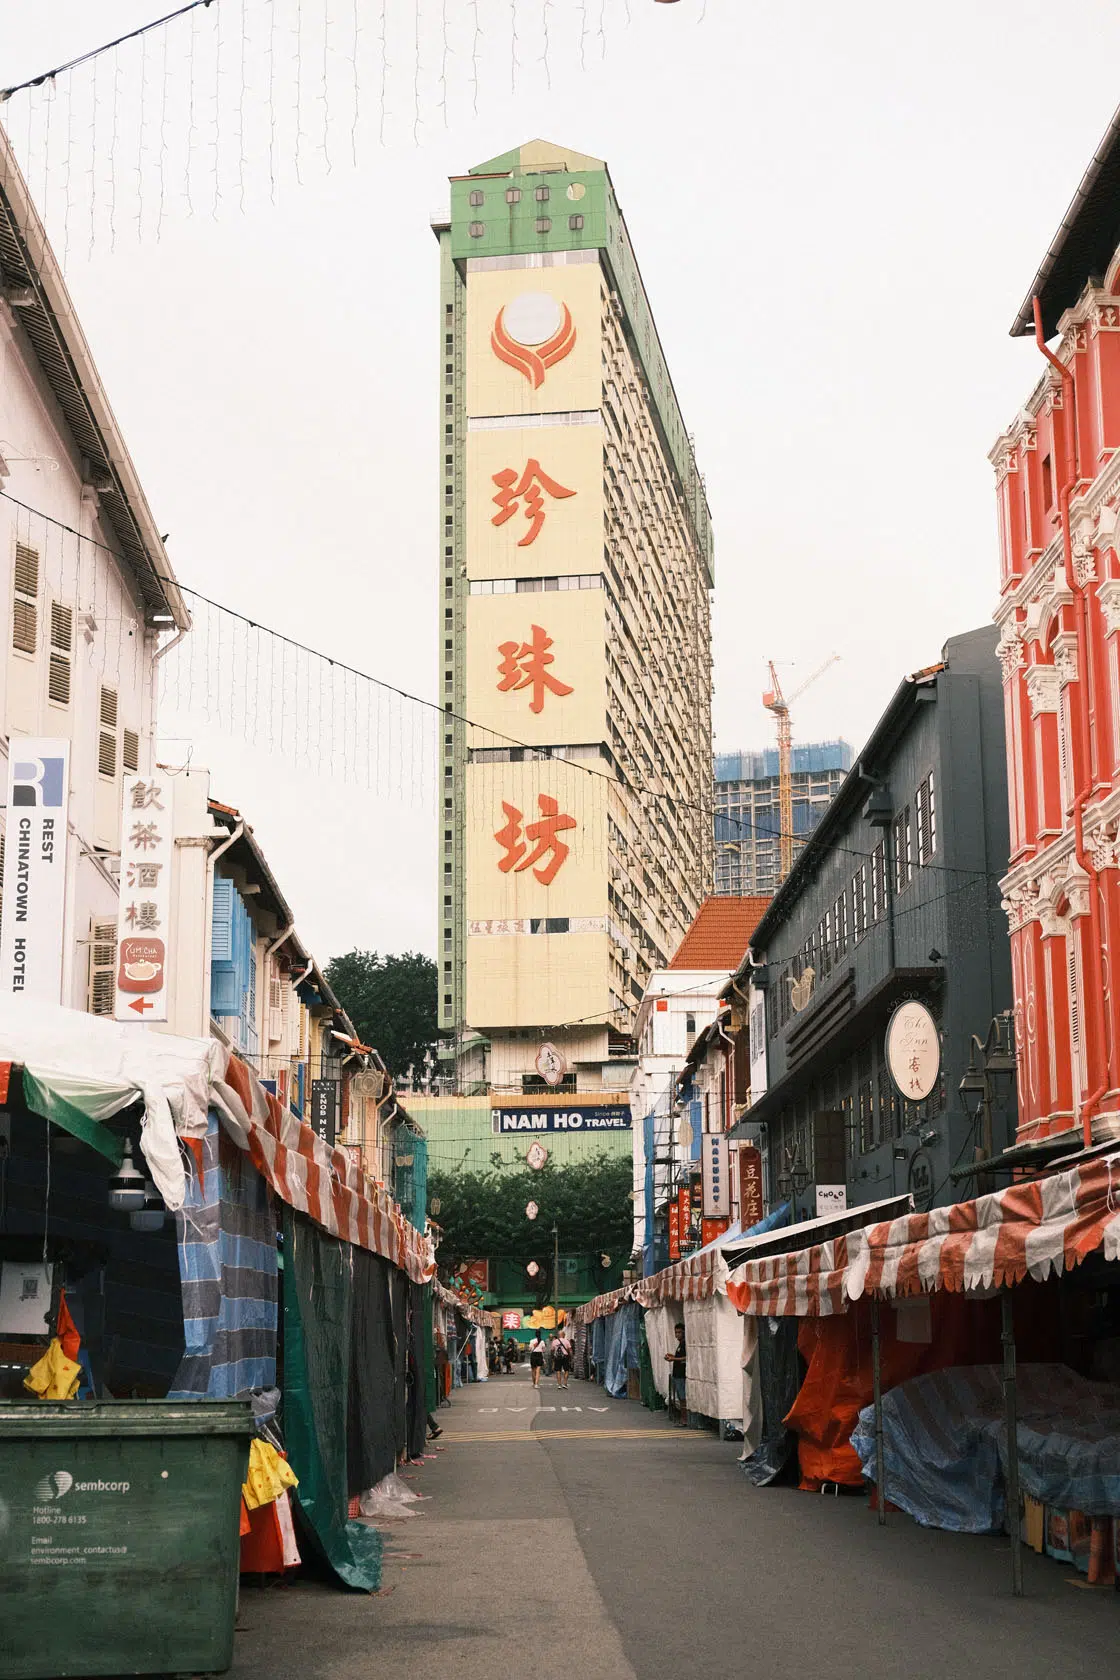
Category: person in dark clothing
[678,1360]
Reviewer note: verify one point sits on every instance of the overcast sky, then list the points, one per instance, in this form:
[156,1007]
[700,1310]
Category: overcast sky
[836,209]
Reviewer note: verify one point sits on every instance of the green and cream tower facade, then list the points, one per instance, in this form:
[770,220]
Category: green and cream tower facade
[576,567]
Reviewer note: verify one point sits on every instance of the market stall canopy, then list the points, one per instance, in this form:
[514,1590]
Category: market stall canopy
[804,1270]
[1033,1229]
[695,1278]
[80,1070]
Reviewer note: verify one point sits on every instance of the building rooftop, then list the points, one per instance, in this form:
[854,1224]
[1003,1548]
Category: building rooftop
[32,285]
[808,758]
[1084,244]
[720,934]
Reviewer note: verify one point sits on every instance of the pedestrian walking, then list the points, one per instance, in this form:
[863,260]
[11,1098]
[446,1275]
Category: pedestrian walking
[537,1350]
[677,1358]
[562,1358]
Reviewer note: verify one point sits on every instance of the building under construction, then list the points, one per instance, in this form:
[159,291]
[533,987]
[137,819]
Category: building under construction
[748,816]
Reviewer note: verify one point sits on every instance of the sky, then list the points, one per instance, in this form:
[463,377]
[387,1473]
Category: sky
[837,211]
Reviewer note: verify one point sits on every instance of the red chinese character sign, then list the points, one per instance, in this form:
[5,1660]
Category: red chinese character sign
[145,899]
[913,1050]
[526,665]
[751,1205]
[532,332]
[548,853]
[521,493]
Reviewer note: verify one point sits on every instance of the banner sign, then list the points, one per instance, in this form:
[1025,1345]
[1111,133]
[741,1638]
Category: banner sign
[35,868]
[831,1199]
[716,1175]
[324,1109]
[601,1117]
[674,1229]
[710,1229]
[751,1208]
[511,1321]
[684,1199]
[144,914]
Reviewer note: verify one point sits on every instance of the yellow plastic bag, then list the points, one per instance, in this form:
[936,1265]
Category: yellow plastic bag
[269,1475]
[54,1377]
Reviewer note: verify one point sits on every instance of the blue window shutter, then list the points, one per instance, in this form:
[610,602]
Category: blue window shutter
[221,947]
[224,997]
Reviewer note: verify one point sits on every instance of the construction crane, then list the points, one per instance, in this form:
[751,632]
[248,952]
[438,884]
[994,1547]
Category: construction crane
[775,701]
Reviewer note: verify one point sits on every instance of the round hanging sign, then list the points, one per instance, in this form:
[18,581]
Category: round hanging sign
[532,1268]
[531,1210]
[552,1065]
[535,1156]
[913,1050]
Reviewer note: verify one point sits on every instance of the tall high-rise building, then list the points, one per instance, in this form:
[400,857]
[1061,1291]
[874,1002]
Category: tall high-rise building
[575,843]
[747,820]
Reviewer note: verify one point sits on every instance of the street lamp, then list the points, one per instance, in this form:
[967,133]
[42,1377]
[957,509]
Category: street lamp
[556,1277]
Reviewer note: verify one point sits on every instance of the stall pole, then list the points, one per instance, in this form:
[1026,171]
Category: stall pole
[1011,1418]
[877,1377]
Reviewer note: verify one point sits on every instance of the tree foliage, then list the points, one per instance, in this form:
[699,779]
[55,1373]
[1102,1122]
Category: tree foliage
[393,1003]
[482,1214]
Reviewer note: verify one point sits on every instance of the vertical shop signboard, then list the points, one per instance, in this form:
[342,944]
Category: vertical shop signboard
[716,1175]
[35,868]
[675,1229]
[750,1186]
[684,1200]
[144,915]
[324,1109]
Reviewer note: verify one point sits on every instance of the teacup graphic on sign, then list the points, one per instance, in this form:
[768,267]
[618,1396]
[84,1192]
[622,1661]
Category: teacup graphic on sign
[140,966]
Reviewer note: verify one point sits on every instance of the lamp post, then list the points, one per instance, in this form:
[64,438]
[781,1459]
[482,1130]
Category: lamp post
[556,1277]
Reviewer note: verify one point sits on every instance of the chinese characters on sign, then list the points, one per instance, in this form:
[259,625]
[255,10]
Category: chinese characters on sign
[145,904]
[717,1177]
[750,1186]
[35,868]
[913,1050]
[674,1229]
[516,833]
[525,665]
[514,490]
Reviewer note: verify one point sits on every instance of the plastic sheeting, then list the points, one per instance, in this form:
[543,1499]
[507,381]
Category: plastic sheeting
[84,1065]
[371,1449]
[651,1395]
[622,1353]
[839,1383]
[945,1445]
[228,1271]
[316,1366]
[659,1323]
[713,1370]
[779,1377]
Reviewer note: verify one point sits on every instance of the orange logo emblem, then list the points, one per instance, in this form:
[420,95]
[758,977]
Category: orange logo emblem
[532,333]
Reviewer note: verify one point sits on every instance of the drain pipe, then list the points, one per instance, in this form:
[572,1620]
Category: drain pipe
[1083,794]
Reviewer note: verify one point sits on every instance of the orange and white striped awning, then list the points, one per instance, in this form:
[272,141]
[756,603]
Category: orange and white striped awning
[1030,1229]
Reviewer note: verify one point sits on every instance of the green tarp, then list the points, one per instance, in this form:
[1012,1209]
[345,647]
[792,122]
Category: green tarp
[316,1374]
[648,1389]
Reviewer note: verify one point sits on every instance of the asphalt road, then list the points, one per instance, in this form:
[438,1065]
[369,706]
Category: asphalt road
[574,1537]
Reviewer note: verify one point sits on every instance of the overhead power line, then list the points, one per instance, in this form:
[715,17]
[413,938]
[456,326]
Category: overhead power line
[448,715]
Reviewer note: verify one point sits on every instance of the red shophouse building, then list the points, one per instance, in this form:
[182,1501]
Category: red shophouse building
[1058,472]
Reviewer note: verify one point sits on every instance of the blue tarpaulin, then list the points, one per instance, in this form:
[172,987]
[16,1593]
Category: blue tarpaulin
[945,1443]
[623,1348]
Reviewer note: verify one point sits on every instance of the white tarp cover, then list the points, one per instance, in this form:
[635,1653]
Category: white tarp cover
[752,1395]
[99,1067]
[659,1335]
[713,1334]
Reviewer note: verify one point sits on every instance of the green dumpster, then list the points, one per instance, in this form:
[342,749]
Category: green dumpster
[119,1540]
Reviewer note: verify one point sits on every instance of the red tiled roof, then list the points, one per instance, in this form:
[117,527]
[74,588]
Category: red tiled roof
[719,936]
